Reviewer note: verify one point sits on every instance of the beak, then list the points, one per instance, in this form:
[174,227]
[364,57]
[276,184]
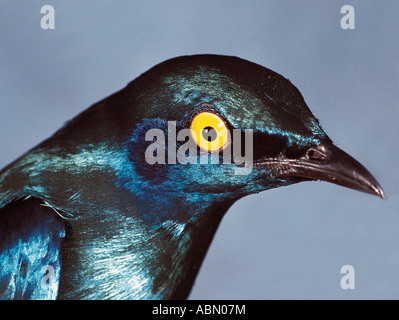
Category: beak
[326,162]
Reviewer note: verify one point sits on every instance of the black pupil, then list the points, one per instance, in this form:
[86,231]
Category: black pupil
[209,134]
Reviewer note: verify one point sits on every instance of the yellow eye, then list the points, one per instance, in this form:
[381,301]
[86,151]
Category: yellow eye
[209,131]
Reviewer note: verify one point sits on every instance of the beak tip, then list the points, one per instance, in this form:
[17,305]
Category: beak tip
[379,192]
[376,190]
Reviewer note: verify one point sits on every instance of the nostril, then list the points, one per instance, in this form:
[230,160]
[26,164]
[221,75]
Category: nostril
[317,155]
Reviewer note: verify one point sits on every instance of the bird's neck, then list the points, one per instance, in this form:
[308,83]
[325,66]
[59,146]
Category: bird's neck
[121,258]
[123,241]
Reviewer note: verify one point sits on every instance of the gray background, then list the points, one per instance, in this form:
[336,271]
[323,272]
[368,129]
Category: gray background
[284,243]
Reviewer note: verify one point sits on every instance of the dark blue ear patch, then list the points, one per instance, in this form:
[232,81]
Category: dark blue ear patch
[31,239]
[137,146]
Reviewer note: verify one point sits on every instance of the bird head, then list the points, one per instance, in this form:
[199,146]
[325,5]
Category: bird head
[151,170]
[256,131]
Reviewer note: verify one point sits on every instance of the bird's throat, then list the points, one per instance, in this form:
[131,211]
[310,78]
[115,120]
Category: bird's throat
[121,258]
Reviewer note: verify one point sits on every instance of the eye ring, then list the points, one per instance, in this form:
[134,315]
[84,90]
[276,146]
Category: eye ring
[209,131]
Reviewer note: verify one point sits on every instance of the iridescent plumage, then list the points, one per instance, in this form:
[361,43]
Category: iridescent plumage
[140,231]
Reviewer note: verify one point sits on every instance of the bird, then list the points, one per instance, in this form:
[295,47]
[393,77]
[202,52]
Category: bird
[114,206]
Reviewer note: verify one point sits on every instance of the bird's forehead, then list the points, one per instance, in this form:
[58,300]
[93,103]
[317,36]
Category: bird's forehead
[257,105]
